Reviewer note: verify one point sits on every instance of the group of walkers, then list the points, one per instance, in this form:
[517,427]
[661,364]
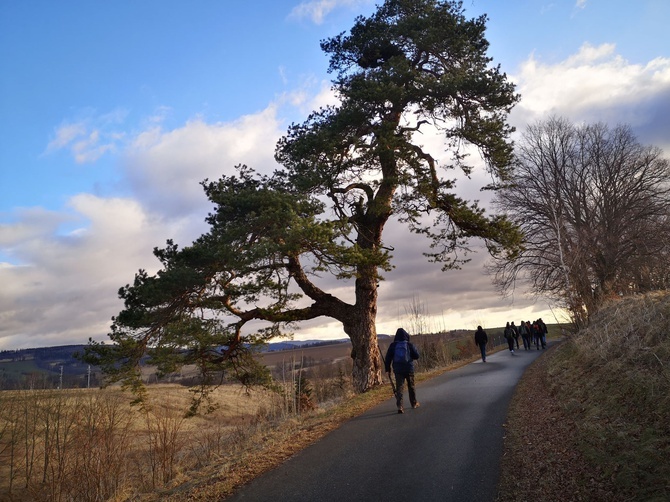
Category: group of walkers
[530,333]
[401,354]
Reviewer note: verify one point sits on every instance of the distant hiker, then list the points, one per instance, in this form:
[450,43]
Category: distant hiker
[402,354]
[531,332]
[481,340]
[515,334]
[525,335]
[509,336]
[543,332]
[537,335]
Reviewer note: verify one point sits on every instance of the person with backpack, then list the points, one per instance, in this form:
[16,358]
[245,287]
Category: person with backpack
[537,335]
[525,335]
[515,334]
[481,340]
[509,336]
[401,354]
[531,334]
[543,332]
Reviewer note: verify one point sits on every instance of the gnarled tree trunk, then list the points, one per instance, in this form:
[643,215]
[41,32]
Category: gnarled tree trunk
[360,326]
[368,366]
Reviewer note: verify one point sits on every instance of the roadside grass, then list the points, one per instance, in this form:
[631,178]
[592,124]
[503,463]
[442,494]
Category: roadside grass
[604,410]
[90,444]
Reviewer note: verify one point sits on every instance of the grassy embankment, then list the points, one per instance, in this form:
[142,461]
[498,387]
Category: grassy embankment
[591,419]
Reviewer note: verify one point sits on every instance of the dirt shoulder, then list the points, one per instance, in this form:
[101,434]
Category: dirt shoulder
[541,459]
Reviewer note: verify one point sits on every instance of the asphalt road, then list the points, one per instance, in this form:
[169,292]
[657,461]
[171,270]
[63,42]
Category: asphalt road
[448,449]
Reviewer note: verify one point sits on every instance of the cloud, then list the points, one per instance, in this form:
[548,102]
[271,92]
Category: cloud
[164,168]
[317,10]
[597,85]
[30,223]
[88,138]
[64,290]
[312,95]
[62,269]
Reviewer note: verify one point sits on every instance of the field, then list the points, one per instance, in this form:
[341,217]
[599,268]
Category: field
[322,354]
[589,422]
[92,445]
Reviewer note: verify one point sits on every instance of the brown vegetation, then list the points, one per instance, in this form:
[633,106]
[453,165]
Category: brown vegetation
[589,421]
[91,445]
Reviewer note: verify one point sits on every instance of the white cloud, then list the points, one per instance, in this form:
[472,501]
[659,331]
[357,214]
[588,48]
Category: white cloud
[65,288]
[30,224]
[597,85]
[66,134]
[165,168]
[63,268]
[88,138]
[317,10]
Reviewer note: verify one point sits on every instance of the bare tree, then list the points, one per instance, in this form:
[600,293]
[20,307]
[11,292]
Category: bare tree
[594,207]
[417,316]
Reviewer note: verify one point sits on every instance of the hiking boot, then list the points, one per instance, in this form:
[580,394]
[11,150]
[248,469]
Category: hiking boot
[415,405]
[400,410]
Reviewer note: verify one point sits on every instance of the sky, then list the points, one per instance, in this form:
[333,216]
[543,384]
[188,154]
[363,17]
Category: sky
[112,113]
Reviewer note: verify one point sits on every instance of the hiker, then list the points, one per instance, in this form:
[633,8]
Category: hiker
[531,333]
[543,332]
[537,335]
[515,334]
[402,354]
[510,338]
[481,340]
[525,335]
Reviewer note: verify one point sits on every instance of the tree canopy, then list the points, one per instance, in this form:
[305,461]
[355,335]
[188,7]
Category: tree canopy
[414,68]
[594,206]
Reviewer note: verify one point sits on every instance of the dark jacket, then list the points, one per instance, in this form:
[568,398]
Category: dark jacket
[401,367]
[480,337]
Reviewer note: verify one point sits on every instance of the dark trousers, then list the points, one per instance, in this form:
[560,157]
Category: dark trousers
[482,347]
[526,342]
[399,386]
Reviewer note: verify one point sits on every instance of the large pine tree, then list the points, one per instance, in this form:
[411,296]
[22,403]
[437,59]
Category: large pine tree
[414,66]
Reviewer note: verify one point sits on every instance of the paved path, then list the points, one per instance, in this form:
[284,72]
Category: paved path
[449,449]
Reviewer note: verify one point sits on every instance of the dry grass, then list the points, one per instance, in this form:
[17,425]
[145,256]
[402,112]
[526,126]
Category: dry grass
[590,420]
[92,445]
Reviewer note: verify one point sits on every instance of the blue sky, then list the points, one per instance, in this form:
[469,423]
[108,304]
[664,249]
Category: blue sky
[111,113]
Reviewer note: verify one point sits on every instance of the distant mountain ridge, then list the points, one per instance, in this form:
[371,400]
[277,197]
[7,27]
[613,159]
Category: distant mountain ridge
[292,344]
[56,366]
